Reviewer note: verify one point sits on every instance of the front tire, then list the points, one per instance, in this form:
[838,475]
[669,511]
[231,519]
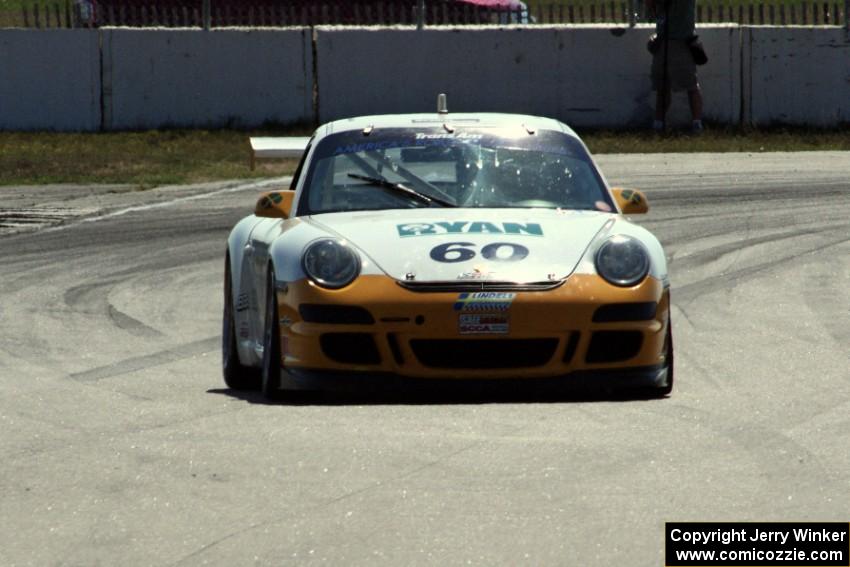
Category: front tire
[236,375]
[271,375]
[664,391]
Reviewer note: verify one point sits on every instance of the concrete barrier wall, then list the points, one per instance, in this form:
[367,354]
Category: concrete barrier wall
[189,78]
[587,75]
[797,76]
[49,80]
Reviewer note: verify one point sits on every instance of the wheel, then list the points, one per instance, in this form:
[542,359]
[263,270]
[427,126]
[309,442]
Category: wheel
[236,375]
[663,391]
[270,385]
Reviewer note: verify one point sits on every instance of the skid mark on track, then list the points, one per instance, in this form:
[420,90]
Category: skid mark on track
[832,311]
[276,182]
[343,497]
[86,294]
[131,324]
[727,226]
[93,298]
[138,363]
[331,502]
[718,252]
[691,291]
[767,447]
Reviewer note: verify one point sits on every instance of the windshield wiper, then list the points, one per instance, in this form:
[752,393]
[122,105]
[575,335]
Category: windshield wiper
[398,187]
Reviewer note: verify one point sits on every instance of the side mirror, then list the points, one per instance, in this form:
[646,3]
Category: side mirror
[275,204]
[630,201]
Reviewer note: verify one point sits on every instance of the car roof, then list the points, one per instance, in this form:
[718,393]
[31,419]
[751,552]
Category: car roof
[456,120]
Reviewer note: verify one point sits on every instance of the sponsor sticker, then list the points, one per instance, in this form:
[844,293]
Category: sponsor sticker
[420,140]
[476,274]
[474,227]
[483,324]
[270,200]
[452,136]
[369,147]
[492,301]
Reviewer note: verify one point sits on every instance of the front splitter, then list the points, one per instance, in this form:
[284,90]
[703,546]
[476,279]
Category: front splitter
[640,379]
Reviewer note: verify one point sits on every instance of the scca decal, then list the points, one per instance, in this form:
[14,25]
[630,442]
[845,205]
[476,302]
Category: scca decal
[487,324]
[464,227]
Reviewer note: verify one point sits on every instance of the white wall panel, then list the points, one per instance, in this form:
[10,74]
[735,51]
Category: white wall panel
[49,80]
[798,75]
[193,78]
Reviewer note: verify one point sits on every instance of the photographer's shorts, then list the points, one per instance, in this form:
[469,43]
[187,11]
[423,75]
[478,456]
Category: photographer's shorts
[681,69]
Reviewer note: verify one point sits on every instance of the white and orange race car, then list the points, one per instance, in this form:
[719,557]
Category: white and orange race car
[416,248]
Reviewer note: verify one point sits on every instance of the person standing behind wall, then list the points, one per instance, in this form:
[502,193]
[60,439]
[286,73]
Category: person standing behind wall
[673,65]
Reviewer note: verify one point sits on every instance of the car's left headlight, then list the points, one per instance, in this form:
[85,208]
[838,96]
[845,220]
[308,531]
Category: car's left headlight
[622,261]
[330,263]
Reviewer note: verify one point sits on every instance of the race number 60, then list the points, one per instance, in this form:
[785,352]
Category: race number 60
[452,252]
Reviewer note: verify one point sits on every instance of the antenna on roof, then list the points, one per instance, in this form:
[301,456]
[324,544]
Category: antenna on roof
[442,105]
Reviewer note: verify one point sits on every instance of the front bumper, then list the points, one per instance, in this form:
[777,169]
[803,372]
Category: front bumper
[585,328]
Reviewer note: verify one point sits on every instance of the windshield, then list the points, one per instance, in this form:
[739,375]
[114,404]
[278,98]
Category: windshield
[407,168]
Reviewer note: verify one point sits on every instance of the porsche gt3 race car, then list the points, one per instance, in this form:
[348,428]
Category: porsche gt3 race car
[432,247]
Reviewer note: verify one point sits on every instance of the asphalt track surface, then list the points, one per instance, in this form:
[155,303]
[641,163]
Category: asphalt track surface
[121,446]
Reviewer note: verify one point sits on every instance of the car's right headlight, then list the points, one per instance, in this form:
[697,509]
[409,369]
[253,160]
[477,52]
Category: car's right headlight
[622,260]
[330,263]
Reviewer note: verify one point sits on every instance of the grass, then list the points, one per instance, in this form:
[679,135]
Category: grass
[148,159]
[142,158]
[779,139]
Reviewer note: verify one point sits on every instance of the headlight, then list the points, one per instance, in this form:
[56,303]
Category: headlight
[622,261]
[330,263]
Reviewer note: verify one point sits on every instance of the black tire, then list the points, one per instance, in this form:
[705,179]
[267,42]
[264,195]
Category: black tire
[236,375]
[664,391]
[271,373]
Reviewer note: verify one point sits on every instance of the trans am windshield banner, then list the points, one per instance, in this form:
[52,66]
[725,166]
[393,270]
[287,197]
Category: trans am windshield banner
[355,142]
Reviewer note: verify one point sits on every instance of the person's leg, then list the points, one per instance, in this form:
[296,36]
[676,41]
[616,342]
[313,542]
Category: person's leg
[661,86]
[662,105]
[695,101]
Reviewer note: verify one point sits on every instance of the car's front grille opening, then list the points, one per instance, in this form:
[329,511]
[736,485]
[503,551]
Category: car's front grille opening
[625,312]
[392,341]
[350,348]
[472,286]
[613,346]
[483,353]
[572,345]
[335,314]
